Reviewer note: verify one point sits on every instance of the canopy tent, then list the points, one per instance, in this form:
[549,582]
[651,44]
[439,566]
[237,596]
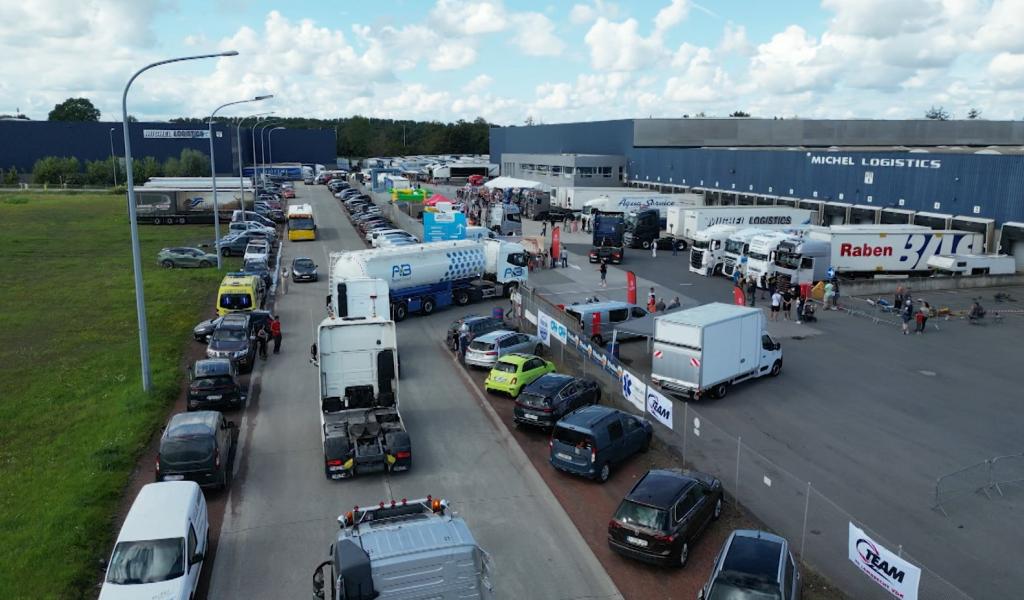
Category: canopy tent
[431,201]
[512,183]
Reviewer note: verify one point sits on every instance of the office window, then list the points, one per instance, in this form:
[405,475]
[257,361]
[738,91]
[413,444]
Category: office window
[568,172]
[585,171]
[542,169]
[556,170]
[606,172]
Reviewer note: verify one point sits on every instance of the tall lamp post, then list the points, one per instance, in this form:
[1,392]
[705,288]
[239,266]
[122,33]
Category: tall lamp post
[213,172]
[252,137]
[140,300]
[241,178]
[263,147]
[113,157]
[270,143]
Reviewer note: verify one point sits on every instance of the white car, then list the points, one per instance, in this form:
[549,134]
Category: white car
[389,242]
[252,226]
[384,240]
[162,545]
[257,250]
[372,235]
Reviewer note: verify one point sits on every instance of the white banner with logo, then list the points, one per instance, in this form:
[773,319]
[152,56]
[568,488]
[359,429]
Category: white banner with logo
[659,407]
[895,575]
[633,390]
[198,134]
[544,327]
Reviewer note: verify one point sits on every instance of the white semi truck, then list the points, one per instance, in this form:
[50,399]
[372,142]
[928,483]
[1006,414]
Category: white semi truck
[707,256]
[705,350]
[360,426]
[737,248]
[505,219]
[404,550]
[684,223]
[424,277]
[762,253]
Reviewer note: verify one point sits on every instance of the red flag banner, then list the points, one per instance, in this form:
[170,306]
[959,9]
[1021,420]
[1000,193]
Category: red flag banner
[556,243]
[631,287]
[595,325]
[738,296]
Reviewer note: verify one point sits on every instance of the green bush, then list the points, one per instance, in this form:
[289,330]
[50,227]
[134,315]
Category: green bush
[99,172]
[11,177]
[194,163]
[55,170]
[172,168]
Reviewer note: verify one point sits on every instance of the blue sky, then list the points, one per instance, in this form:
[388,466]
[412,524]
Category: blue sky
[513,60]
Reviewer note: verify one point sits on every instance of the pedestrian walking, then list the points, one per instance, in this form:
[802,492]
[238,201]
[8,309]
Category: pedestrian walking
[906,312]
[262,337]
[675,248]
[563,256]
[604,273]
[787,302]
[830,294]
[776,306]
[673,304]
[654,250]
[463,344]
[751,290]
[283,283]
[543,228]
[275,333]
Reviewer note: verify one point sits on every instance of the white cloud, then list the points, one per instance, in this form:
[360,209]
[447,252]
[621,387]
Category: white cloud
[790,62]
[670,16]
[478,83]
[1003,27]
[581,14]
[702,80]
[535,35]
[1007,69]
[883,18]
[553,95]
[620,47]
[462,17]
[734,40]
[452,55]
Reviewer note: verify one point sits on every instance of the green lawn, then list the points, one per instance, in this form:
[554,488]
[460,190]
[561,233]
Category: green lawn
[73,418]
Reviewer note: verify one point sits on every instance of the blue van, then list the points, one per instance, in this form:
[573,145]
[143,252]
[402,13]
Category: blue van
[590,440]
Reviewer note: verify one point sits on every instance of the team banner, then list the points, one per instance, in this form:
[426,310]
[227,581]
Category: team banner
[895,575]
[659,407]
[634,390]
[196,134]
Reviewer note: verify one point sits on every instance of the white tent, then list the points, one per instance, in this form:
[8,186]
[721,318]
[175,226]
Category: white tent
[511,183]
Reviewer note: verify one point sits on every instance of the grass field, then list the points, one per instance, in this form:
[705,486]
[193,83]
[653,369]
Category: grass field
[73,417]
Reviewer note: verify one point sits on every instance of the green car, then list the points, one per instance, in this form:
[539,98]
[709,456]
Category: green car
[513,371]
[185,257]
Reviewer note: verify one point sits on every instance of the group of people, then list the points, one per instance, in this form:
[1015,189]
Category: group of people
[904,303]
[782,298]
[655,304]
[266,333]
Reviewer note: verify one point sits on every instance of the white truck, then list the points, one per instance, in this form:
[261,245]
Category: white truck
[867,250]
[505,219]
[707,256]
[404,550]
[573,198]
[359,297]
[955,265]
[360,426]
[736,250]
[707,349]
[424,277]
[684,223]
[638,200]
[763,253]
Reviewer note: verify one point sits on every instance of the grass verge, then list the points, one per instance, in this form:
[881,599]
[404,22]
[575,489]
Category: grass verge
[73,417]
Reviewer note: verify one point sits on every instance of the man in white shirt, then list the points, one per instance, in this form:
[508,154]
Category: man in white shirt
[776,306]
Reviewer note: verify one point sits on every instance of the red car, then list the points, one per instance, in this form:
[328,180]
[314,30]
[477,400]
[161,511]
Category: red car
[475,180]
[288,193]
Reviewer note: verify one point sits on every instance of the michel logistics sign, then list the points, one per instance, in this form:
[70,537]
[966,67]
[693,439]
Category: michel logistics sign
[895,575]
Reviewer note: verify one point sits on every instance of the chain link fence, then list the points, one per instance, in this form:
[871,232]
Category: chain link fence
[816,526]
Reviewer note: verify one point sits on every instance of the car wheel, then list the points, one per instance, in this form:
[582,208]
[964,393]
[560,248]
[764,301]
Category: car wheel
[204,263]
[720,390]
[604,473]
[225,251]
[167,264]
[461,297]
[717,514]
[427,306]
[401,311]
[684,555]
[776,368]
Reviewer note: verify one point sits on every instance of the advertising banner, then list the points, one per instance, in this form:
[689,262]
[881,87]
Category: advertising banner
[556,245]
[659,407]
[633,390]
[631,287]
[177,134]
[892,573]
[544,327]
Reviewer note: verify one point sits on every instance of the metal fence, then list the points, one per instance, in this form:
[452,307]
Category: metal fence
[817,527]
[985,477]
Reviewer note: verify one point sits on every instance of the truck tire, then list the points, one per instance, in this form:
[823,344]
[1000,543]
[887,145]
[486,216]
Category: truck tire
[680,245]
[719,391]
[181,220]
[776,368]
[461,297]
[401,311]
[427,305]
[646,244]
[157,221]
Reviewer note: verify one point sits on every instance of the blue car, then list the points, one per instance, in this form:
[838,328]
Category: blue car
[589,441]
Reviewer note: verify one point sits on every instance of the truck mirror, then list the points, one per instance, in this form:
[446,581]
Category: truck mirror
[778,346]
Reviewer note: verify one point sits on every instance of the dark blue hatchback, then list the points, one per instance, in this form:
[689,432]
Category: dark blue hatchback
[590,440]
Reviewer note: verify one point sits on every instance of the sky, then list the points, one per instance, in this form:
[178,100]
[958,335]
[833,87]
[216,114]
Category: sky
[510,61]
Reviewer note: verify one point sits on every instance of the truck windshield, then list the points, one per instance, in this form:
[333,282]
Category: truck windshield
[701,244]
[735,247]
[147,561]
[517,258]
[757,255]
[514,217]
[630,222]
[789,260]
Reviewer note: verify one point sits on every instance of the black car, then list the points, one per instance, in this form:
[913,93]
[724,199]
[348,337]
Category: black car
[304,269]
[213,383]
[664,513]
[203,331]
[476,324]
[234,338]
[235,243]
[197,446]
[260,269]
[550,397]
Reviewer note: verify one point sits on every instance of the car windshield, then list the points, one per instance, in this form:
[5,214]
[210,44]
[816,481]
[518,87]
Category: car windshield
[236,301]
[505,367]
[572,437]
[256,249]
[300,223]
[534,399]
[212,381]
[255,265]
[632,513]
[186,450]
[147,561]
[732,585]
[304,264]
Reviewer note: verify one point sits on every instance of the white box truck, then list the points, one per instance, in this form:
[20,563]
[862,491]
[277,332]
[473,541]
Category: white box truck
[865,250]
[707,349]
[404,550]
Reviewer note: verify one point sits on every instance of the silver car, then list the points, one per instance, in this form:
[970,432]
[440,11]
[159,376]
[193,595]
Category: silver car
[485,350]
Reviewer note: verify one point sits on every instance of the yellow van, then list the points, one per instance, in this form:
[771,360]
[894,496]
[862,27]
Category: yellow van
[239,292]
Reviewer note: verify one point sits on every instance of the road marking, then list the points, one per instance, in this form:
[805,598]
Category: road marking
[577,267]
[685,284]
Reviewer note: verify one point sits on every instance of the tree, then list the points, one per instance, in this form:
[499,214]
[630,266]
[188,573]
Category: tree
[75,109]
[147,168]
[529,121]
[194,163]
[56,170]
[99,172]
[937,113]
[11,176]
[740,114]
[974,113]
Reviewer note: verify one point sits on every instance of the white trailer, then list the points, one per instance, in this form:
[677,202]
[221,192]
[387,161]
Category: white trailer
[707,349]
[863,250]
[638,201]
[404,550]
[684,223]
[955,265]
[573,198]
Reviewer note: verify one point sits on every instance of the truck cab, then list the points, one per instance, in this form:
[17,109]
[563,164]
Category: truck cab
[505,219]
[708,251]
[607,243]
[761,255]
[800,260]
[642,228]
[736,249]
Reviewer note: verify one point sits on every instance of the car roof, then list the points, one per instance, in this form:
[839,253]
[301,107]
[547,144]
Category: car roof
[190,424]
[660,487]
[549,382]
[493,336]
[298,258]
[211,366]
[516,358]
[756,553]
[160,511]
[235,318]
[584,419]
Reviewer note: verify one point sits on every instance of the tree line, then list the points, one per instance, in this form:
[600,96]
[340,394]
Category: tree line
[68,170]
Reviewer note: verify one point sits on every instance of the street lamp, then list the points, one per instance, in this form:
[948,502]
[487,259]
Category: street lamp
[252,137]
[241,185]
[113,157]
[263,148]
[213,172]
[270,143]
[140,301]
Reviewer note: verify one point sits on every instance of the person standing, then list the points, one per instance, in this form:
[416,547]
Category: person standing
[830,295]
[919,321]
[543,228]
[799,309]
[906,312]
[787,302]
[751,290]
[463,343]
[835,293]
[897,301]
[654,249]
[604,273]
[563,256]
[275,333]
[673,304]
[262,337]
[652,302]
[660,306]
[776,305]
[675,248]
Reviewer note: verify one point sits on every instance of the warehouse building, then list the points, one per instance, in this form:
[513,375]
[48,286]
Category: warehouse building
[957,174]
[25,142]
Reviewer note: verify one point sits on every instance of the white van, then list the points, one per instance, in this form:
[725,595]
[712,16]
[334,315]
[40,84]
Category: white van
[162,545]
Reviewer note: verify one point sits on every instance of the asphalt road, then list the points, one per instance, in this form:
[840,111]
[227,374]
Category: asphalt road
[281,512]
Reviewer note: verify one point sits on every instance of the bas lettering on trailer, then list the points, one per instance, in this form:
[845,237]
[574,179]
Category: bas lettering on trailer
[848,249]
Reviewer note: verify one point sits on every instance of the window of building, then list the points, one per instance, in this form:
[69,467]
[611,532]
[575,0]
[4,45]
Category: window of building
[606,172]
[556,170]
[585,171]
[542,169]
[568,172]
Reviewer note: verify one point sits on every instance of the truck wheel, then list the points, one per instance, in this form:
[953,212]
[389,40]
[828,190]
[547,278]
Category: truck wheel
[646,244]
[597,339]
[720,390]
[401,311]
[167,264]
[776,368]
[181,220]
[157,221]
[427,305]
[680,246]
[461,297]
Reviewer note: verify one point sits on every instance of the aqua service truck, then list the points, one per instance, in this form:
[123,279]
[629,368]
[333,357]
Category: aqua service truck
[707,349]
[424,277]
[404,550]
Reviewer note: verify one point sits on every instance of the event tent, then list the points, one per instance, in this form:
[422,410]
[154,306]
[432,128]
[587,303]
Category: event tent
[512,183]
